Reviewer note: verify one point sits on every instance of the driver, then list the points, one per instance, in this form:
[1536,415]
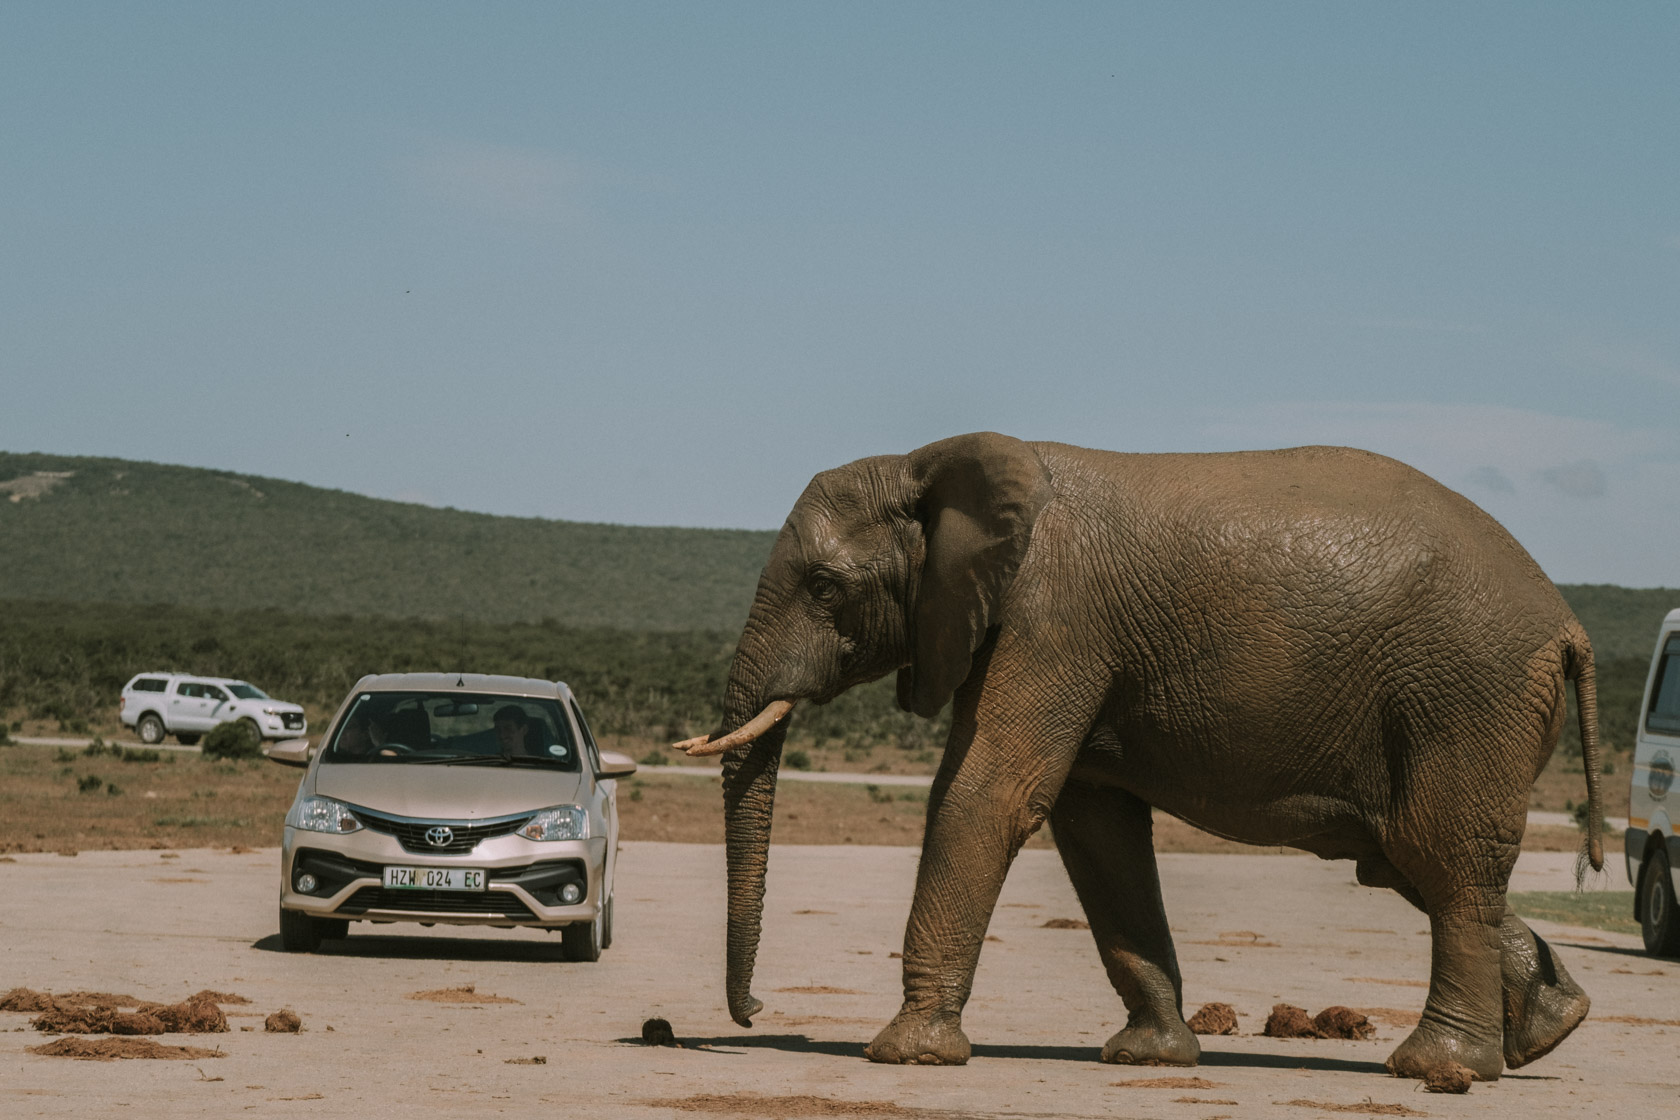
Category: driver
[364,737]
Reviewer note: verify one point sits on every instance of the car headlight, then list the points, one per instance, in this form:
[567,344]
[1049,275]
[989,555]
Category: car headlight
[271,711]
[566,822]
[322,814]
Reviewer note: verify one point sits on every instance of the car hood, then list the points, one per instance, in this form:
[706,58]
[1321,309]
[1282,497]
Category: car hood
[460,793]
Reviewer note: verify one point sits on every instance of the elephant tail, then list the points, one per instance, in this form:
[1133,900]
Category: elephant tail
[1578,667]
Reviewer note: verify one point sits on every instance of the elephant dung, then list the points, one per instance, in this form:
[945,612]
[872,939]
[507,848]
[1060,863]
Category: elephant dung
[1215,1018]
[1448,1078]
[1343,1022]
[1289,1021]
[657,1032]
[283,1021]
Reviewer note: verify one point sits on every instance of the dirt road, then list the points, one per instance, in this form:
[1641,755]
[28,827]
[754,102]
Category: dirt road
[1252,931]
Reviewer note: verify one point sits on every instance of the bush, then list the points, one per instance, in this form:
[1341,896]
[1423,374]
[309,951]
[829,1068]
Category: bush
[799,760]
[232,740]
[90,784]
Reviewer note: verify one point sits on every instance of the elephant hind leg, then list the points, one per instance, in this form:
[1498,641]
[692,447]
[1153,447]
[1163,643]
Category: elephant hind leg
[1542,1003]
[1106,841]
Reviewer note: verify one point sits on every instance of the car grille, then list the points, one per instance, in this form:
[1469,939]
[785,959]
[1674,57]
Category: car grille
[464,837]
[500,904]
[293,721]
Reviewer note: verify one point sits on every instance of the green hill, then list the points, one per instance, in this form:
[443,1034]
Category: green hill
[111,530]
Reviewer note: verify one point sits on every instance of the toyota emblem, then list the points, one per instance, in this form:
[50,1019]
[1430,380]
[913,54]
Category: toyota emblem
[439,836]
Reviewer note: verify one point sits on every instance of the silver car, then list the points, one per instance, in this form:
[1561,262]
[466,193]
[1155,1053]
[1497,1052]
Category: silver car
[452,798]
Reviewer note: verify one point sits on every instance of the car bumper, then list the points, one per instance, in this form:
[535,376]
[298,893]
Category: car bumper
[524,878]
[282,727]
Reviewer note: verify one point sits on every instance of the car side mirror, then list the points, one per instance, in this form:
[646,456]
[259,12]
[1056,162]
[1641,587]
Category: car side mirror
[290,752]
[615,765]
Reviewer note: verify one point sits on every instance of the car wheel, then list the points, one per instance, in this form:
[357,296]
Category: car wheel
[1659,921]
[150,728]
[606,926]
[187,738]
[299,933]
[581,941]
[252,731]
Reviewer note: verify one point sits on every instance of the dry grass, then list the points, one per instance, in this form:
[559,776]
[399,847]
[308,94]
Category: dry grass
[54,799]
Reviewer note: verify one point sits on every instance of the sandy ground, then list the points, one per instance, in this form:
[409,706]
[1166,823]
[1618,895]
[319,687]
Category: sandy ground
[1252,931]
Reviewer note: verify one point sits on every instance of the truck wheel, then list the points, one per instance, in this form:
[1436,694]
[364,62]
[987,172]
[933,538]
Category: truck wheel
[299,933]
[606,926]
[252,731]
[1659,922]
[151,729]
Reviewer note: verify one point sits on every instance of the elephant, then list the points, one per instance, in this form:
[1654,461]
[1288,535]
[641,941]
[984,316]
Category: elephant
[1317,647]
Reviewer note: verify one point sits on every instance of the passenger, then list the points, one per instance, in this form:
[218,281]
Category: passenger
[513,732]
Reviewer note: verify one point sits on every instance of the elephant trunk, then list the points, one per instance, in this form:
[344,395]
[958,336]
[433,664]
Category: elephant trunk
[749,800]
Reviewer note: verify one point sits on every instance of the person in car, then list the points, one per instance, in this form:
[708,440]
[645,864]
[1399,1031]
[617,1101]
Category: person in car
[363,737]
[513,732]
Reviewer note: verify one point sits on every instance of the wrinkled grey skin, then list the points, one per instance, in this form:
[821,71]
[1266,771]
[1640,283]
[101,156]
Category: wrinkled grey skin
[1318,647]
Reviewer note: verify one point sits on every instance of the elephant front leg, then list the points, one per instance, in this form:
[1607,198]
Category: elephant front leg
[1106,839]
[982,808]
[965,857]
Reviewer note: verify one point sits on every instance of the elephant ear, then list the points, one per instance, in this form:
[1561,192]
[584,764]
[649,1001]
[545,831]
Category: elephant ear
[977,498]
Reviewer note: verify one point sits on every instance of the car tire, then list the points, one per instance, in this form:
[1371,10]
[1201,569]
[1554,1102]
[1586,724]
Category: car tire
[606,926]
[187,738]
[252,731]
[1659,917]
[581,941]
[150,729]
[299,933]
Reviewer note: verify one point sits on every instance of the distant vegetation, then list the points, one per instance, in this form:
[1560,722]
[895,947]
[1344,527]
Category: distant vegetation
[109,567]
[67,662]
[111,530]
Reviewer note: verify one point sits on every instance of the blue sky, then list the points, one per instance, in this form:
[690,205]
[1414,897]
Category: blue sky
[660,263]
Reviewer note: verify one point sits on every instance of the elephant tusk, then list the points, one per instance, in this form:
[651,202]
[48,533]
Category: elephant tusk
[701,745]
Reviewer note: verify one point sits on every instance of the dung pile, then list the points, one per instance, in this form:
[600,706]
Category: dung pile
[283,1021]
[110,1049]
[1343,1022]
[102,1012]
[1215,1018]
[1289,1021]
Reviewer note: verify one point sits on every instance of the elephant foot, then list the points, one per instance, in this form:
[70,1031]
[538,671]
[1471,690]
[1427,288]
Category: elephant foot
[921,1040]
[1541,1013]
[1434,1044]
[1172,1044]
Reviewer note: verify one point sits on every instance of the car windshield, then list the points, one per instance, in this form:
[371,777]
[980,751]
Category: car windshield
[453,729]
[247,692]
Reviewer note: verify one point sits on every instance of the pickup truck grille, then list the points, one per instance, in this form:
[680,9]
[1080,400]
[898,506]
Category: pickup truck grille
[292,720]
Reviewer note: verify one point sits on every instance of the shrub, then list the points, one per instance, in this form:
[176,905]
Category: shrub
[90,784]
[798,760]
[143,754]
[232,740]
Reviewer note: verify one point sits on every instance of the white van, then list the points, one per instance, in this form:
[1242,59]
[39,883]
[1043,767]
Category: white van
[1653,852]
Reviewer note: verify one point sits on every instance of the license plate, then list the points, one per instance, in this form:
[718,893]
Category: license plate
[434,878]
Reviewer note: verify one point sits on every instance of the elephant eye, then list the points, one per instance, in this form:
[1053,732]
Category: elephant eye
[823,588]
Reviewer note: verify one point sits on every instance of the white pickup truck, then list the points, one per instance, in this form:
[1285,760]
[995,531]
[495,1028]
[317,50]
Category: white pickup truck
[1653,848]
[159,704]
